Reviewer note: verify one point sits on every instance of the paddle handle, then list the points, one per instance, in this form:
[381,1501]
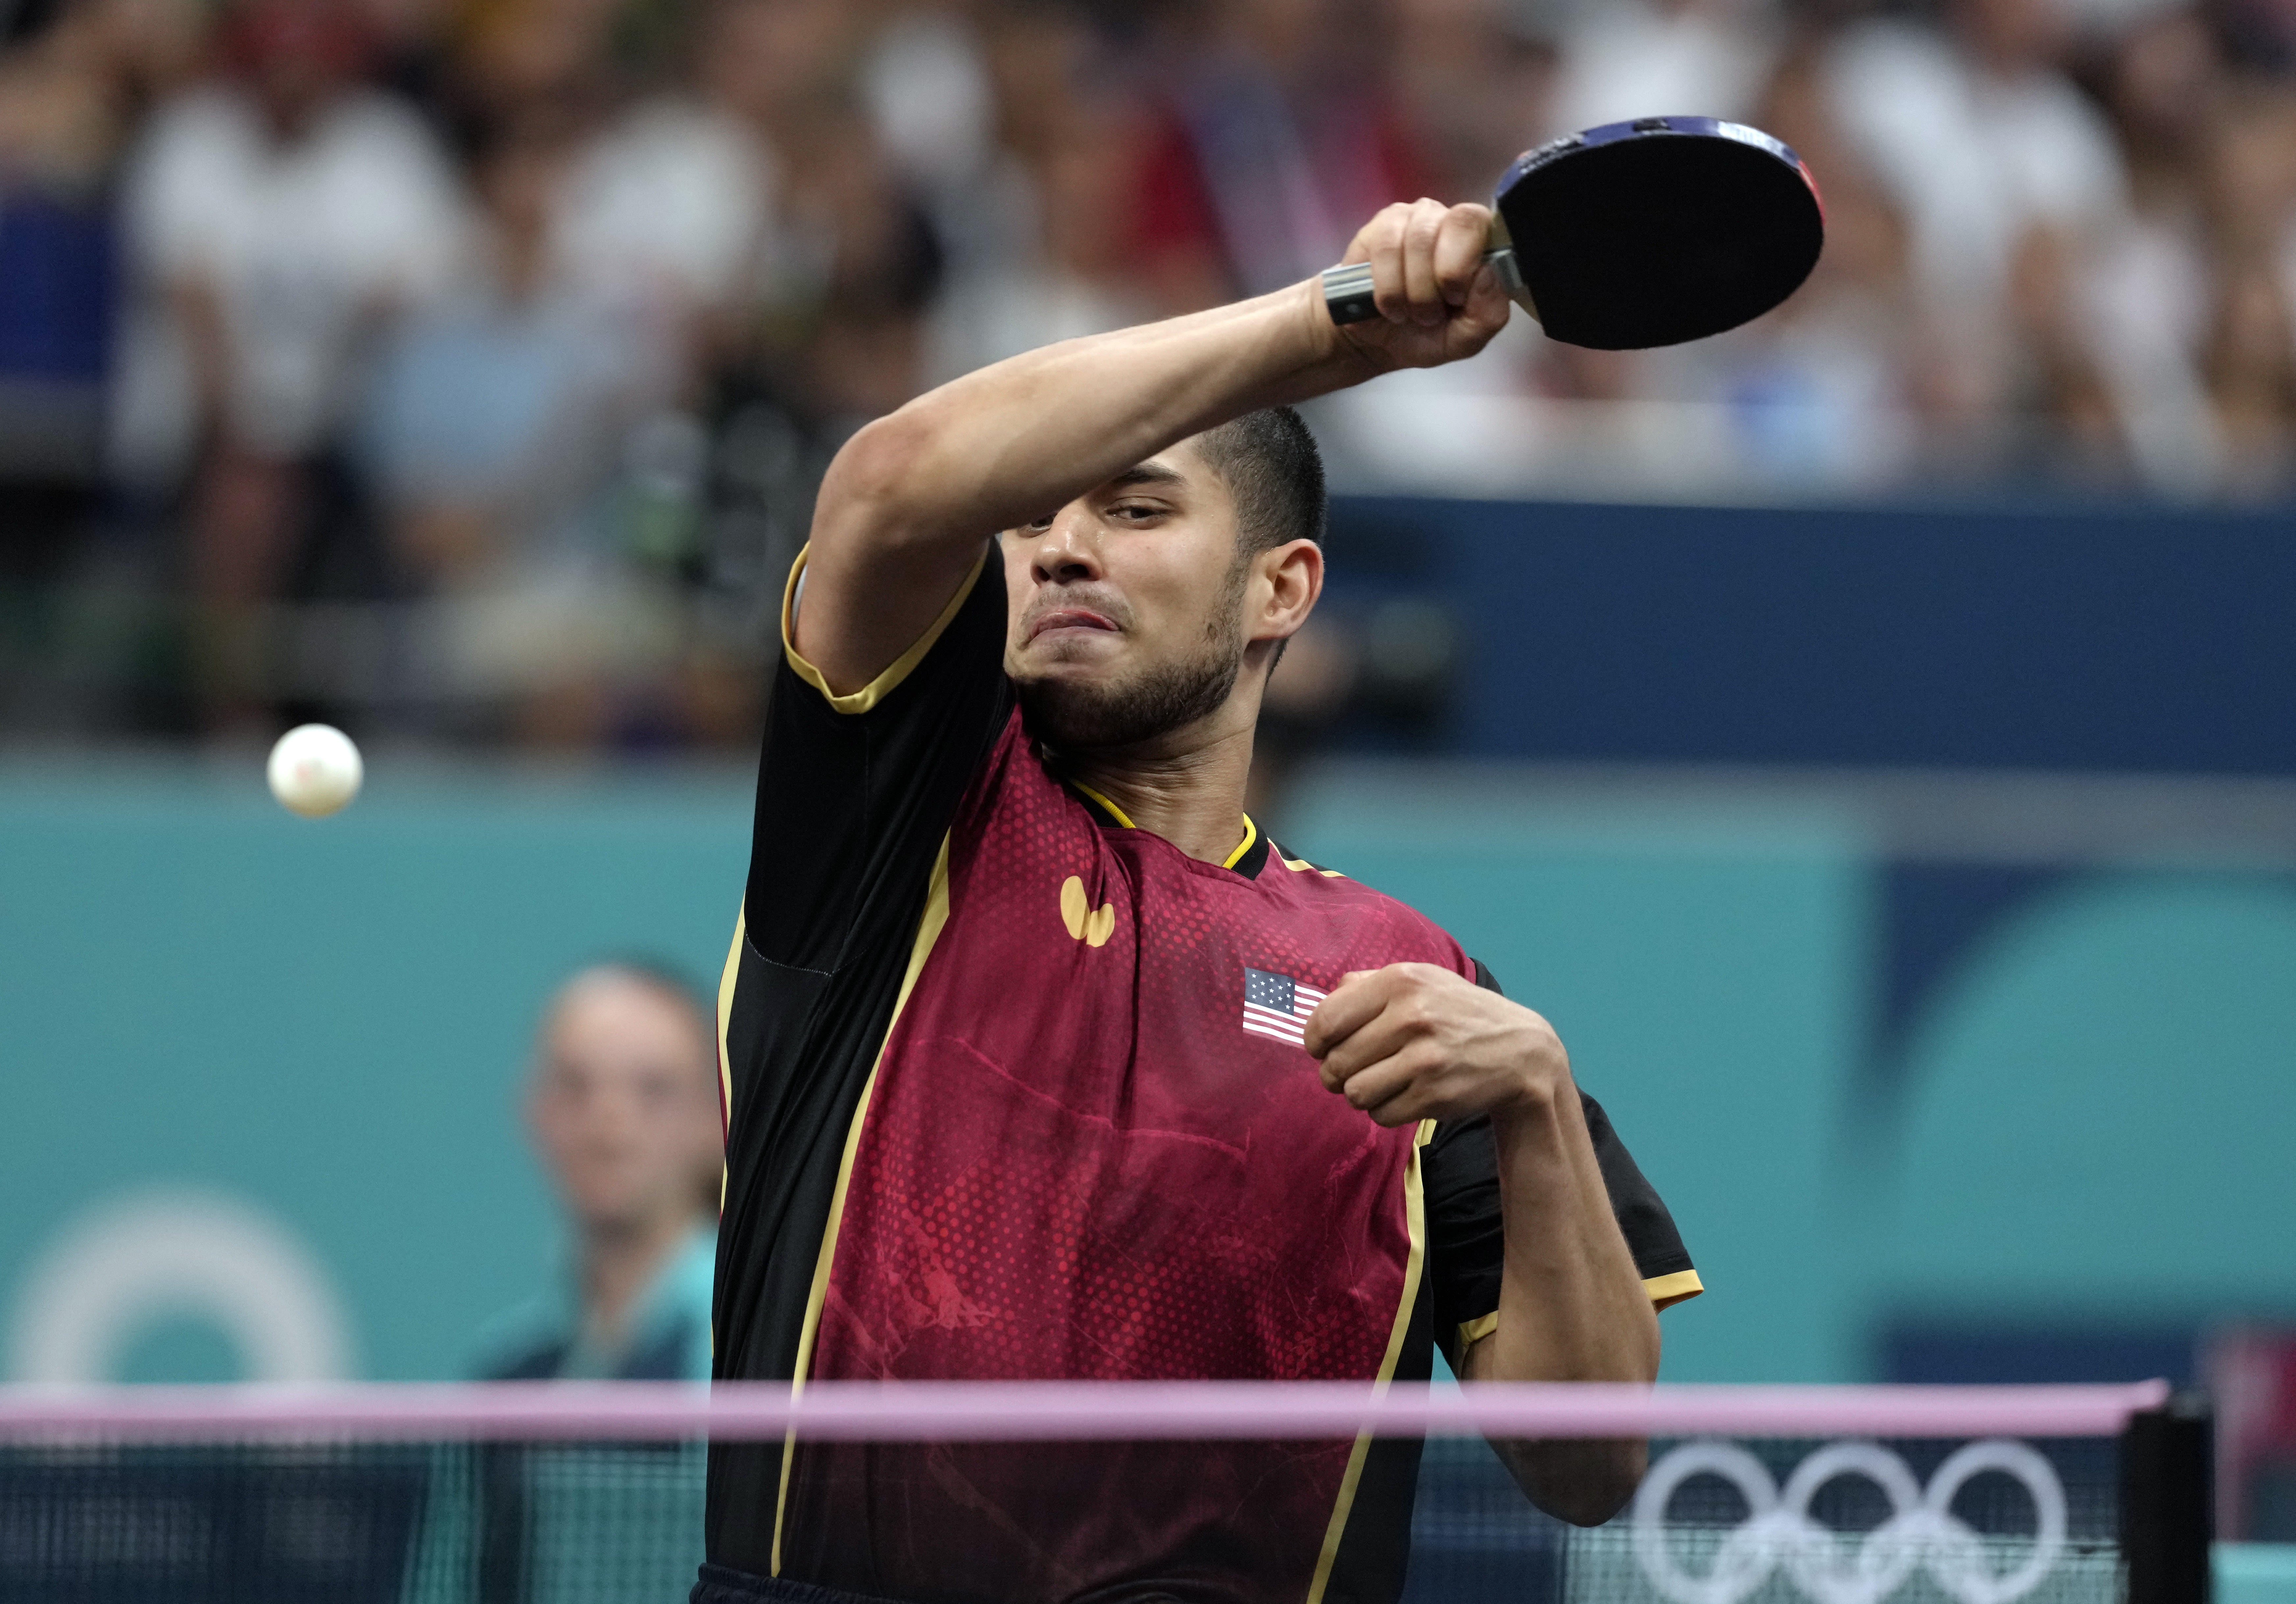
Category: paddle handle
[1348,290]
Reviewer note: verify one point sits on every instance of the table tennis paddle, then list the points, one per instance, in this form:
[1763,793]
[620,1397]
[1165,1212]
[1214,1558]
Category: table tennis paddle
[1640,234]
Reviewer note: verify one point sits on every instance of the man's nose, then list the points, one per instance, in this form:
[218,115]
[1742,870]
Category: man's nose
[1065,551]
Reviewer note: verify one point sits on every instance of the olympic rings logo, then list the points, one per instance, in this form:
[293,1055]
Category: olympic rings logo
[1848,1568]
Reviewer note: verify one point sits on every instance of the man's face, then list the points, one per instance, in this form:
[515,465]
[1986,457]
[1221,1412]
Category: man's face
[623,1103]
[1127,605]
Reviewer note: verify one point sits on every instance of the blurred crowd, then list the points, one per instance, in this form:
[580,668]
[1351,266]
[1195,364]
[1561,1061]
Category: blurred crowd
[472,362]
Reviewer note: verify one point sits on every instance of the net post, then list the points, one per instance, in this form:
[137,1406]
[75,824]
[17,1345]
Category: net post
[2168,1510]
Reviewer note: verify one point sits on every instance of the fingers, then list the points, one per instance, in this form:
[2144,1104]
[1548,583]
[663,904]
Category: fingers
[1370,1016]
[1419,1041]
[1400,1022]
[1383,242]
[1397,1089]
[1462,235]
[1350,1005]
[1425,259]
[1421,232]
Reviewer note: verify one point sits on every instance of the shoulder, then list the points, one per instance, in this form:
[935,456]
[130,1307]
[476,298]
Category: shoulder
[1320,888]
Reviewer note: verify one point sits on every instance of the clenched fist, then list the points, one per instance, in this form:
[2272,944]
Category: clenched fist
[1413,1041]
[1437,302]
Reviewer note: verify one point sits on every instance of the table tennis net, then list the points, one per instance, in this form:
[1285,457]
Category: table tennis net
[587,1493]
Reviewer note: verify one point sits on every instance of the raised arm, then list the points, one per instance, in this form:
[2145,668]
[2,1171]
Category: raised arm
[908,503]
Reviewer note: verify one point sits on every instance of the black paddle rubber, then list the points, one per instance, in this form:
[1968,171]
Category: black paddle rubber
[1660,231]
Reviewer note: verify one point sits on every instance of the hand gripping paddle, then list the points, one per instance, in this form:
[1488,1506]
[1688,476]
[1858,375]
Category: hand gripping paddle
[1642,233]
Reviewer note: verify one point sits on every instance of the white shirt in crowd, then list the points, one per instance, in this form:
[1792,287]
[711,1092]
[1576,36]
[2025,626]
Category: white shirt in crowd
[672,205]
[305,243]
[1974,159]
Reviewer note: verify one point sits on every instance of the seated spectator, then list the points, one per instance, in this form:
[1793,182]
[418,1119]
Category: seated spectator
[2249,349]
[277,220]
[2146,289]
[841,324]
[497,432]
[62,117]
[1822,390]
[1041,254]
[2009,180]
[622,1104]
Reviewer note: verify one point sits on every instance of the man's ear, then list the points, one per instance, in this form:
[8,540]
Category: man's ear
[1294,576]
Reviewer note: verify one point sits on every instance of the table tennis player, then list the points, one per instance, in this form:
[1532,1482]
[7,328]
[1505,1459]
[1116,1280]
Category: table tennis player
[1043,1062]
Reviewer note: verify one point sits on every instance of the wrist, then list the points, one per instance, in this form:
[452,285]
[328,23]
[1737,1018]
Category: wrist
[1335,361]
[1530,1107]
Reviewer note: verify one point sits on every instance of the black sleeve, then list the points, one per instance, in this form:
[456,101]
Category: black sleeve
[854,797]
[852,804]
[1466,1235]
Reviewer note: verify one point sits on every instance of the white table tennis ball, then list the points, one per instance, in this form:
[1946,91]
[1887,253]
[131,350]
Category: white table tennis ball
[314,770]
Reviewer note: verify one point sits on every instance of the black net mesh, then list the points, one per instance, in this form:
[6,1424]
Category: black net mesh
[1744,1521]
[1768,1520]
[495,1523]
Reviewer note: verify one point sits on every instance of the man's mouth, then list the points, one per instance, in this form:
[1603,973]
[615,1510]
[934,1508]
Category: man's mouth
[1072,618]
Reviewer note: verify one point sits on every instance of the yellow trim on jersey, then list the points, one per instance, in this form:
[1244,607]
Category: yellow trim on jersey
[1115,812]
[1415,1214]
[727,981]
[1474,1330]
[1250,830]
[729,978]
[929,929]
[1667,1290]
[883,685]
[1300,866]
[1251,834]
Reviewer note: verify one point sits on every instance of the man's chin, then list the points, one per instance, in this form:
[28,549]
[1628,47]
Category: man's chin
[1083,706]
[1075,712]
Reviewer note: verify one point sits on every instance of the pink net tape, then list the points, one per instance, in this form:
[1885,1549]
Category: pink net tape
[1081,1410]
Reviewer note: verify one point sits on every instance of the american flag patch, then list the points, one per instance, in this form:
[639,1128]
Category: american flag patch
[1277,1006]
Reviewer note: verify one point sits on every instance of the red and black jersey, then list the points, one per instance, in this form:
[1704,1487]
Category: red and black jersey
[1016,1090]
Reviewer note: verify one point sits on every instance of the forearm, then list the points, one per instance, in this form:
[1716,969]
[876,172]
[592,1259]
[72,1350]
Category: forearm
[1571,1303]
[1013,440]
[906,507]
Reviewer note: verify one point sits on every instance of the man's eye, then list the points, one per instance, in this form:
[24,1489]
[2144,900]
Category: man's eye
[1136,511]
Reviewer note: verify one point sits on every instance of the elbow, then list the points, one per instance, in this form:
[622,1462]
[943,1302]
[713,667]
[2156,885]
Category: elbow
[1583,1482]
[1589,1504]
[869,468]
[865,493]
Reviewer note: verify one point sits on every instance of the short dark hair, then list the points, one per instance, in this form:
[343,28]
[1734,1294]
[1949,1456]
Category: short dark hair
[1270,464]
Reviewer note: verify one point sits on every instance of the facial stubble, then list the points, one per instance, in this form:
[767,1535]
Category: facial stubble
[1161,698]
